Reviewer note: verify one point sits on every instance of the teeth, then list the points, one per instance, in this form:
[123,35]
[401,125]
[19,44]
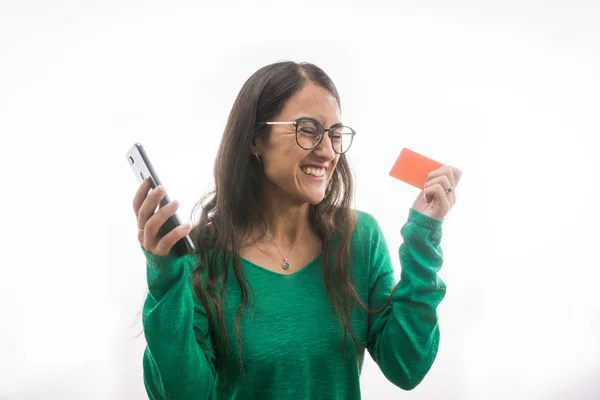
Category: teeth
[314,171]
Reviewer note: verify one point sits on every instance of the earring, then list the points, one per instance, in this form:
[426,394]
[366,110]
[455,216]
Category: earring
[257,157]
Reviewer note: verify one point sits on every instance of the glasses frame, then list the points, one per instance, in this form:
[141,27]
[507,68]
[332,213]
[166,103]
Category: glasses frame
[296,124]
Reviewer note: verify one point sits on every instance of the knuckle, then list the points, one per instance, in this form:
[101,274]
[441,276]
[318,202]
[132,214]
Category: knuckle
[159,213]
[447,170]
[455,171]
[165,212]
[150,225]
[169,209]
[143,222]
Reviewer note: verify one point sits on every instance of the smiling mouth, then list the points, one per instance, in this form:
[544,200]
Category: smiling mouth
[312,171]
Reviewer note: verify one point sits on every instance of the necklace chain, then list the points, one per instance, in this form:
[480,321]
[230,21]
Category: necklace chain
[286,264]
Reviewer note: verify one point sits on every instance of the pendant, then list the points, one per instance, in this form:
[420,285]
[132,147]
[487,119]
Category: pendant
[286,265]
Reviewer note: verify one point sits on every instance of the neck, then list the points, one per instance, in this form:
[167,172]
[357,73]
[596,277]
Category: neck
[285,224]
[286,220]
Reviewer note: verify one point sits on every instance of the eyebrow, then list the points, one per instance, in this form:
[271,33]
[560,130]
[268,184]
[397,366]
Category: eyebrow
[316,120]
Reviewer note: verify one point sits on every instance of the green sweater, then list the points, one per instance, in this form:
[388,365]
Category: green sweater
[292,347]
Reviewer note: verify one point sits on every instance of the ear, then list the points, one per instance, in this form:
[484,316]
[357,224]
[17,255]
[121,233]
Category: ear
[257,146]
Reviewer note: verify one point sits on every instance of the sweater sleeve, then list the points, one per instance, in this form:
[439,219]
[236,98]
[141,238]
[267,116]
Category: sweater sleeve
[176,365]
[403,339]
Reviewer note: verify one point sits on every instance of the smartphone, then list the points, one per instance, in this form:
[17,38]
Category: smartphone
[413,168]
[142,168]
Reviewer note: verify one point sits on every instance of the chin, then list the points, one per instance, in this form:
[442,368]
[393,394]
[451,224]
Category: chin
[314,198]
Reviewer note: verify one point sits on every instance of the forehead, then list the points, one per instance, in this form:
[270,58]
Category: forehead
[315,102]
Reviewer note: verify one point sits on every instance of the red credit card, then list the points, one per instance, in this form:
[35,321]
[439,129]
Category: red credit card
[413,168]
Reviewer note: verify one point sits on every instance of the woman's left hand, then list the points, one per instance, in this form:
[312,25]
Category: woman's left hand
[439,193]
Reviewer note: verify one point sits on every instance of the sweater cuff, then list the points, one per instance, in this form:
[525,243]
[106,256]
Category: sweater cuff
[424,221]
[159,262]
[162,272]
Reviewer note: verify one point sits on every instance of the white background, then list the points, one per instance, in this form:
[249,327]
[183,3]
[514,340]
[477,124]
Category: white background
[508,91]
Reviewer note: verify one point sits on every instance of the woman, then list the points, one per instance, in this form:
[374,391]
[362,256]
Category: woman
[289,285]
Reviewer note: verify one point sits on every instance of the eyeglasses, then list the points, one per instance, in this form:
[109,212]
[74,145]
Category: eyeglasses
[309,134]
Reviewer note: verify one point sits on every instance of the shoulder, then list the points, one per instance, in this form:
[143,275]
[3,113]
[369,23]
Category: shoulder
[367,225]
[370,253]
[368,236]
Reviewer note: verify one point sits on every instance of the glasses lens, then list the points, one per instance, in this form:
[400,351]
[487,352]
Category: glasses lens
[308,134]
[341,138]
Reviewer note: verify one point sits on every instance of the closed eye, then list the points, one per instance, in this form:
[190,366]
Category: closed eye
[308,131]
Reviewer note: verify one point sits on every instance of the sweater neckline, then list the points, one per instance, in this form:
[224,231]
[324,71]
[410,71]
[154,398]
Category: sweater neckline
[310,264]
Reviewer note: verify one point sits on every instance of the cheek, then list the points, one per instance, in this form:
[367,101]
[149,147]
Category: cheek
[335,164]
[282,166]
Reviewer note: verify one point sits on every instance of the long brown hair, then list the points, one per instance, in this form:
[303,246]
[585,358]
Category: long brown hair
[233,207]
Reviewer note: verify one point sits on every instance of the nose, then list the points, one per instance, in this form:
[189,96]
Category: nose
[325,148]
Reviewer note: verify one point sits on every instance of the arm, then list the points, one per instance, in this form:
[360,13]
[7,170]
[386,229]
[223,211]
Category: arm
[176,365]
[404,338]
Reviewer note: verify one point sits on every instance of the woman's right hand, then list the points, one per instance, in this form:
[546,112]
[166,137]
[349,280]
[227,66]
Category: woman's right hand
[149,222]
